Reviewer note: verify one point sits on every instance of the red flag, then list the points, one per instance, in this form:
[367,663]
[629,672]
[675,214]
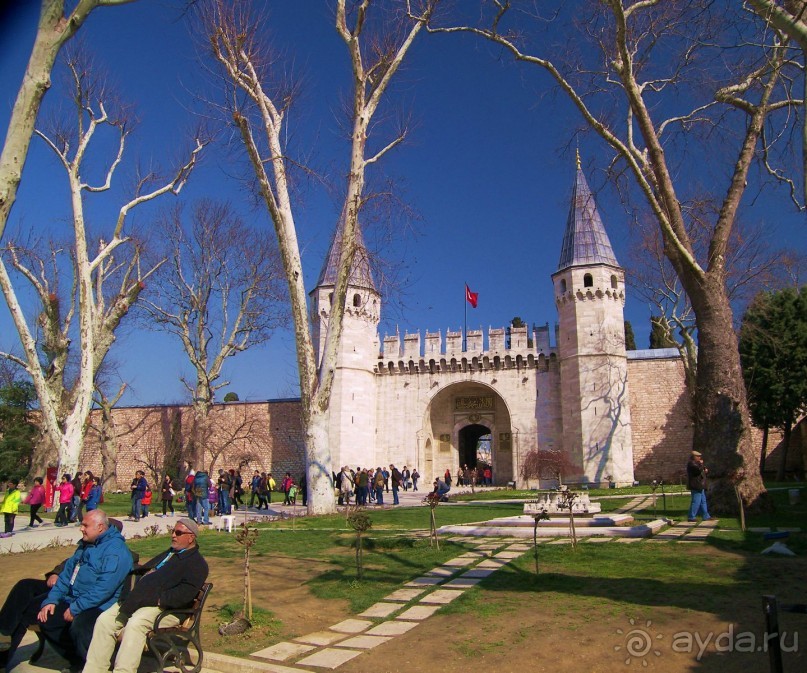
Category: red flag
[471,297]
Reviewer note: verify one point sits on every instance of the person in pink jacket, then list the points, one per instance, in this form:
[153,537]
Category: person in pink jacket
[65,489]
[35,499]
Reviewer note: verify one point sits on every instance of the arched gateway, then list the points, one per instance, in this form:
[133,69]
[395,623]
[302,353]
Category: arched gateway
[468,424]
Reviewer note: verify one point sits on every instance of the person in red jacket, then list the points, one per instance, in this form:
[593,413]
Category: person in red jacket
[35,499]
[65,490]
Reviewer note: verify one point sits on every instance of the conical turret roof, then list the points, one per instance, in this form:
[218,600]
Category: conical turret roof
[585,241]
[361,275]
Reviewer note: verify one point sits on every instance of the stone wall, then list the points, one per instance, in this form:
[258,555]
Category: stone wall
[262,435]
[661,418]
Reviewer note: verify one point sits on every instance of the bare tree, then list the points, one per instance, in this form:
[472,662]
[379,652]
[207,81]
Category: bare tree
[672,88]
[220,293]
[65,397]
[55,29]
[107,436]
[258,105]
[789,17]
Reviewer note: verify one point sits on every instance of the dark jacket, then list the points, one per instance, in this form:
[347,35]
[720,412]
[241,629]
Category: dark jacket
[696,475]
[173,585]
[100,569]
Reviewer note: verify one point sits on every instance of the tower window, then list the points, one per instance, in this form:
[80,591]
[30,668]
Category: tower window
[357,300]
[588,281]
[563,286]
[613,282]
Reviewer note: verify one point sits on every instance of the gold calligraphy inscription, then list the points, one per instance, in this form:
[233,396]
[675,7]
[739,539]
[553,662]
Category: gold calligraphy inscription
[473,403]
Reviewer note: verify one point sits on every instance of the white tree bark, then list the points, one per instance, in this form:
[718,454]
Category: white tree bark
[65,404]
[54,30]
[238,50]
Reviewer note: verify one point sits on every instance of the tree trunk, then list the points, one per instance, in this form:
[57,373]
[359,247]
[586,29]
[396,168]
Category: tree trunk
[780,471]
[321,499]
[722,421]
[764,453]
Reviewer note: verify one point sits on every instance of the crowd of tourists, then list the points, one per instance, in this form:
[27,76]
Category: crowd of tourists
[87,607]
[366,485]
[71,497]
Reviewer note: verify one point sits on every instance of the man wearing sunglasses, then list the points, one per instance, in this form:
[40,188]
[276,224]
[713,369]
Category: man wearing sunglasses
[171,579]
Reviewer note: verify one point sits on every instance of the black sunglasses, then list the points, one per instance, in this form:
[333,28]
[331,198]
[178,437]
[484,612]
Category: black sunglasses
[181,532]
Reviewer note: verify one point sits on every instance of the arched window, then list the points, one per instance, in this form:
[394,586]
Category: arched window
[357,300]
[613,282]
[563,286]
[588,281]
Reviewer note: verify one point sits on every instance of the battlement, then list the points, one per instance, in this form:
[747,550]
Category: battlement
[507,348]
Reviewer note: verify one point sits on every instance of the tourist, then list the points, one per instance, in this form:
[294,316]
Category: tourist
[95,495]
[89,584]
[171,580]
[146,502]
[385,471]
[35,500]
[238,488]
[285,486]
[488,476]
[138,489]
[460,481]
[263,492]
[415,477]
[406,476]
[224,484]
[167,494]
[254,487]
[441,488]
[395,475]
[10,506]
[213,499]
[65,490]
[696,482]
[86,487]
[25,600]
[363,484]
[75,502]
[191,503]
[345,486]
[447,477]
[304,488]
[378,486]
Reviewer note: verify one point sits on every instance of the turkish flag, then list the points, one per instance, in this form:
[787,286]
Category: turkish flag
[471,297]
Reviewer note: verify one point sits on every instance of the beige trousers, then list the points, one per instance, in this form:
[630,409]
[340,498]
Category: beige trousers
[104,638]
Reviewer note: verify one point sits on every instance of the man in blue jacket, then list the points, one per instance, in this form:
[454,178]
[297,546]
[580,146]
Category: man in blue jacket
[90,583]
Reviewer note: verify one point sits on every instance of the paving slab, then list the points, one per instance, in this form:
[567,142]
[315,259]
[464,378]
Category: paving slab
[442,571]
[462,583]
[352,626]
[330,657]
[320,638]
[380,610]
[364,642]
[479,573]
[492,563]
[424,582]
[404,595]
[520,547]
[566,541]
[441,596]
[214,661]
[460,561]
[419,612]
[629,540]
[393,628]
[598,539]
[283,651]
[509,554]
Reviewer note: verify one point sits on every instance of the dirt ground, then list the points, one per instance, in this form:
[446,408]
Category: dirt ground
[503,631]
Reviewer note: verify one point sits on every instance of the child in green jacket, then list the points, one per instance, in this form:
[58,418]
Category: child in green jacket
[10,506]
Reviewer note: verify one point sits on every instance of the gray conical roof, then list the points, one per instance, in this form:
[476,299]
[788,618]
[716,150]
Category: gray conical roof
[361,275]
[585,241]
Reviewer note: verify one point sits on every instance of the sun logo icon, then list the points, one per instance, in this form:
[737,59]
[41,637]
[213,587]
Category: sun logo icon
[638,642]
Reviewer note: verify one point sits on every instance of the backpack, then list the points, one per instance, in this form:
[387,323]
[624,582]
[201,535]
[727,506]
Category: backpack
[200,481]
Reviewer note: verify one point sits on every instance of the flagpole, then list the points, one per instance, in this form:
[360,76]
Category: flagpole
[465,318]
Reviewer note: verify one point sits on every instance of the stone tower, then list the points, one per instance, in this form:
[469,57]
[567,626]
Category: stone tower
[353,400]
[590,295]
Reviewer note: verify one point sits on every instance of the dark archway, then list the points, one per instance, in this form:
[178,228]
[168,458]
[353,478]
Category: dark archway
[469,445]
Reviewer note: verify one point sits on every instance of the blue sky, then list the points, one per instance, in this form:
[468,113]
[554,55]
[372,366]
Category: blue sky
[489,168]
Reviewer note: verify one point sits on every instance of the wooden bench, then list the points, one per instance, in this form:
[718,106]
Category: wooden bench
[170,645]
